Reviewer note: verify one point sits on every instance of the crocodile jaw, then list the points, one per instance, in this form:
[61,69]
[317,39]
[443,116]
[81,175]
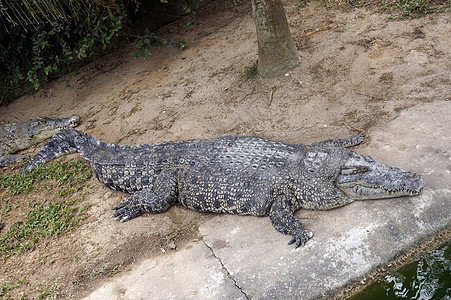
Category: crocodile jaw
[41,128]
[363,178]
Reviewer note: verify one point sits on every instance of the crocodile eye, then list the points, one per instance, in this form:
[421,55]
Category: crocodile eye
[355,170]
[361,170]
[37,122]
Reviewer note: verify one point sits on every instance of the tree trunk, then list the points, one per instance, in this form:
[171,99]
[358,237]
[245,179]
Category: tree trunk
[277,53]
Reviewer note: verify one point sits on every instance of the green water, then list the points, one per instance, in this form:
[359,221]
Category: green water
[428,277]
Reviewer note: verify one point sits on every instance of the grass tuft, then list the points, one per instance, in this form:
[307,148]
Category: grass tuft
[50,216]
[45,220]
[250,71]
[66,175]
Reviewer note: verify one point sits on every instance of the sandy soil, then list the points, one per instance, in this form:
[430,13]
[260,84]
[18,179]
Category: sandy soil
[358,70]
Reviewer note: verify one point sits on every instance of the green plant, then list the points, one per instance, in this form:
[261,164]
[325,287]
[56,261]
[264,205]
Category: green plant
[144,42]
[173,234]
[6,287]
[50,293]
[148,40]
[113,271]
[250,71]
[409,9]
[101,270]
[5,210]
[180,44]
[355,3]
[303,3]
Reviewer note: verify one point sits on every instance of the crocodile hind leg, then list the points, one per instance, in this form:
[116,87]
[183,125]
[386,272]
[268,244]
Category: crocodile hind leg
[156,200]
[283,219]
[346,142]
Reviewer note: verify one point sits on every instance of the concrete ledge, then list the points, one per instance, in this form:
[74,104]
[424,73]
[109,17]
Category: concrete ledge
[193,273]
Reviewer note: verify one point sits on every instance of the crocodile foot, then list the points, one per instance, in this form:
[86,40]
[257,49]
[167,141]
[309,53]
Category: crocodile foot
[127,210]
[300,238]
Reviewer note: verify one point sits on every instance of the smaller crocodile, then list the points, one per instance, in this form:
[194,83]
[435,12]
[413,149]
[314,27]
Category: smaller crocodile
[18,136]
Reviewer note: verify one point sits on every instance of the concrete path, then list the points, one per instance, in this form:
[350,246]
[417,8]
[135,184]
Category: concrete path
[245,258]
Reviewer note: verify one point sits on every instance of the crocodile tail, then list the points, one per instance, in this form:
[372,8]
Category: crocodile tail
[64,142]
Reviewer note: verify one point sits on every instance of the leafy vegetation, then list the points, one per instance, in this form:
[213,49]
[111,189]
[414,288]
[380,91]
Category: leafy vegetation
[43,39]
[409,9]
[43,218]
[36,51]
[149,40]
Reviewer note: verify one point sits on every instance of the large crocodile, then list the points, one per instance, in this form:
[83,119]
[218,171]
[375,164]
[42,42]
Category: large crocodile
[18,136]
[236,174]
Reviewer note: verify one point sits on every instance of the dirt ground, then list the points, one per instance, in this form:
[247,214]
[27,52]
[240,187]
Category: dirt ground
[359,69]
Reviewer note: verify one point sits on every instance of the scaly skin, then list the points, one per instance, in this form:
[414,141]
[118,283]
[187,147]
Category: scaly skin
[236,174]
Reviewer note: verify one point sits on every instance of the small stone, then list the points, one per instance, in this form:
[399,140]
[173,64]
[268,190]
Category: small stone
[172,245]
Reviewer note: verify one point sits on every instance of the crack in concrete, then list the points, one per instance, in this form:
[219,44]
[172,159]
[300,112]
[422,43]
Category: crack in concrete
[227,272]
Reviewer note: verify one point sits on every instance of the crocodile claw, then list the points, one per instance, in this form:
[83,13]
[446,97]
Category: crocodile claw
[301,239]
[124,219]
[120,219]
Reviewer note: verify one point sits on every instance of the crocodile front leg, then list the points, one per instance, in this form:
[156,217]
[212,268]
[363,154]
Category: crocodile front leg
[282,218]
[156,200]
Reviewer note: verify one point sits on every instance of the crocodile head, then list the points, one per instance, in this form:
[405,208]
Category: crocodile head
[363,178]
[41,128]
